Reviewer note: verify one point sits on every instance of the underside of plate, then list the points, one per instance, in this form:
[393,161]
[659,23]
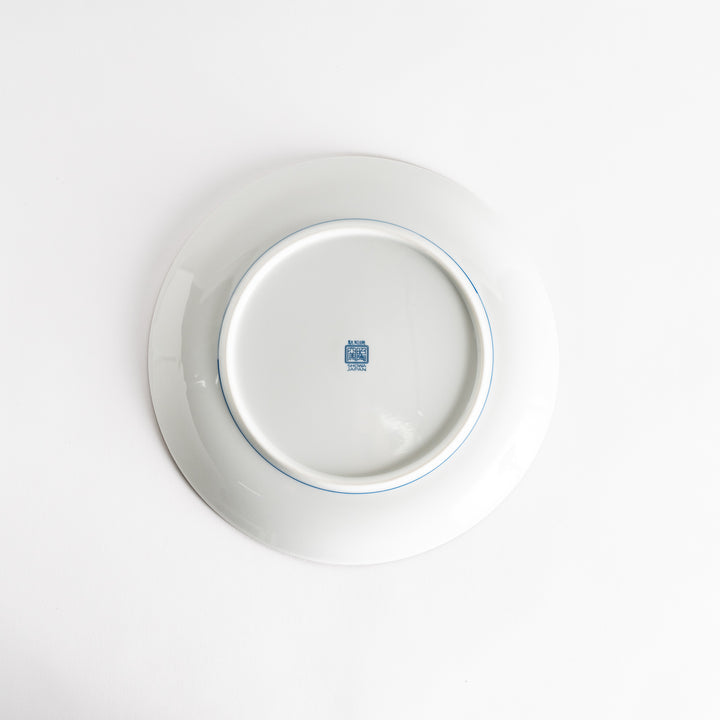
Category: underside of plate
[350,363]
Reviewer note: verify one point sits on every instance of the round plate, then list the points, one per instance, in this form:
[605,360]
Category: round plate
[349,363]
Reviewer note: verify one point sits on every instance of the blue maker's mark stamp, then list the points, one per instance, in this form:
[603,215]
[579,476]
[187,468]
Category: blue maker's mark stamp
[357,355]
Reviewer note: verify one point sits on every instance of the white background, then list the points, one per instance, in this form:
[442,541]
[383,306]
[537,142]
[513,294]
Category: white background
[593,128]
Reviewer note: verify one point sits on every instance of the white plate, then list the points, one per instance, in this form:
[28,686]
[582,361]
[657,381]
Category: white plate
[349,363]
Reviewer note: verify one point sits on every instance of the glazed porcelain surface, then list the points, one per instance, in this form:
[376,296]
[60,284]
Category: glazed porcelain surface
[350,363]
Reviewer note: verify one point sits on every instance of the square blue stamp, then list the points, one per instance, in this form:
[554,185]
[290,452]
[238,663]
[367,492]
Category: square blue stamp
[357,352]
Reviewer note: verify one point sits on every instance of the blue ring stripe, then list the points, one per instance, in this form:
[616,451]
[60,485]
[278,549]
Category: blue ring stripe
[492,358]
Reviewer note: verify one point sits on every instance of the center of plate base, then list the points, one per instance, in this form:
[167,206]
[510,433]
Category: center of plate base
[355,356]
